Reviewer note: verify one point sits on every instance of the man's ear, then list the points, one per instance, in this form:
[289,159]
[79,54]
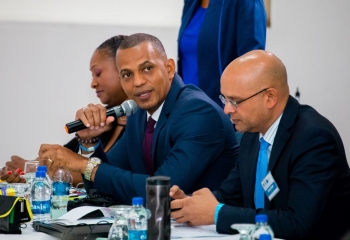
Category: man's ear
[272,97]
[170,66]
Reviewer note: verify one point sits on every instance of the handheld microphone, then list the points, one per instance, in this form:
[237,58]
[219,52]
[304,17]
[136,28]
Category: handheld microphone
[127,108]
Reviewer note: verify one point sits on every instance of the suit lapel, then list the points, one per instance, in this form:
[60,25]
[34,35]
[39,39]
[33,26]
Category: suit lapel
[282,136]
[247,161]
[143,124]
[169,103]
[281,139]
[139,140]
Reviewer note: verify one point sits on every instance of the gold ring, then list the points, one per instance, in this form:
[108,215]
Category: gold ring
[50,160]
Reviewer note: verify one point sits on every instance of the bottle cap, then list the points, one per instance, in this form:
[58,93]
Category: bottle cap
[40,174]
[265,237]
[137,201]
[261,218]
[158,180]
[42,168]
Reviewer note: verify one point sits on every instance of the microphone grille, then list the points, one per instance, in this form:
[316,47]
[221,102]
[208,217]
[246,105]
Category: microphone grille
[129,107]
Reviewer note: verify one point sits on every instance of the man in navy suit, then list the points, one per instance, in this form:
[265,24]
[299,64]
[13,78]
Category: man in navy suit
[193,140]
[306,167]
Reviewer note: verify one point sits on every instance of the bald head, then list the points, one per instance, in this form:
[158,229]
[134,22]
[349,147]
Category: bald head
[260,77]
[258,69]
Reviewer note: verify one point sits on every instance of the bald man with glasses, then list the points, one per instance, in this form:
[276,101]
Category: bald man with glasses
[291,166]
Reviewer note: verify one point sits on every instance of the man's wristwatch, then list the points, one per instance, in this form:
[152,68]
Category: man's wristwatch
[92,163]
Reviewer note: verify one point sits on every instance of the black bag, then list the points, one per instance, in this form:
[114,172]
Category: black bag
[93,199]
[13,212]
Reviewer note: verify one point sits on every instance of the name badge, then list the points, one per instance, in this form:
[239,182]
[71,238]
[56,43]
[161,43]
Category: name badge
[270,186]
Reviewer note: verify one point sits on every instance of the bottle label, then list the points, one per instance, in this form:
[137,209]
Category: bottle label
[137,234]
[41,206]
[60,188]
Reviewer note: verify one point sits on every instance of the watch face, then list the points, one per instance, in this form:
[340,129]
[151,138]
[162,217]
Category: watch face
[96,160]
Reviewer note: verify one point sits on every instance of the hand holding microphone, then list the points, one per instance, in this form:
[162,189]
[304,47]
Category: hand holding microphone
[94,116]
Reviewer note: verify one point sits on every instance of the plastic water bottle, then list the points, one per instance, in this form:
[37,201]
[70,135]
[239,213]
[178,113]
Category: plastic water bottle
[261,227]
[61,183]
[43,168]
[41,197]
[265,237]
[137,220]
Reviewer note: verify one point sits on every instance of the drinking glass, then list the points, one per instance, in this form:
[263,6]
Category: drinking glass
[119,229]
[29,171]
[244,230]
[29,175]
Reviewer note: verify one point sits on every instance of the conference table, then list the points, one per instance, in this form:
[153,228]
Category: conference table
[74,218]
[29,233]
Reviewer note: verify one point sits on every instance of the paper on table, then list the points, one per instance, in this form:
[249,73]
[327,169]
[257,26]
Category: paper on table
[78,212]
[184,231]
[72,217]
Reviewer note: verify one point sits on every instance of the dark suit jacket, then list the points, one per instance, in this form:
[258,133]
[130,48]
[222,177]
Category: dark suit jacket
[194,144]
[309,165]
[230,29]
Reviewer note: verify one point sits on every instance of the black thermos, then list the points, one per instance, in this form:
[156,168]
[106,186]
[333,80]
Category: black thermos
[158,202]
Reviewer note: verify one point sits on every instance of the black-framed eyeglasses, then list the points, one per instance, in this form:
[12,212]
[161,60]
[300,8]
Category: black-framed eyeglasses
[235,103]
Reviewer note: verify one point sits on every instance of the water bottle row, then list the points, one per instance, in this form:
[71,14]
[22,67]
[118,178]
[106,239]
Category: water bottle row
[48,197]
[153,222]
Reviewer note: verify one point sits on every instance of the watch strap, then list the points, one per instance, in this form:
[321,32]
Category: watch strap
[92,163]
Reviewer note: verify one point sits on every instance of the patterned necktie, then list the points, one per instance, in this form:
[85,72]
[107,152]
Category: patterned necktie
[261,172]
[147,146]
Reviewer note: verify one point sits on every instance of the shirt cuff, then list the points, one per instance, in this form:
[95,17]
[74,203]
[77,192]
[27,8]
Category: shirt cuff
[217,210]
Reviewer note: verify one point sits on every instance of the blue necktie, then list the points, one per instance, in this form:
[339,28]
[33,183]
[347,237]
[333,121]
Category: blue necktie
[261,172]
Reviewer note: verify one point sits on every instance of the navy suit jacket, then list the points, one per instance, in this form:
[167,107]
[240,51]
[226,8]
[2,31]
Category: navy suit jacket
[309,165]
[194,144]
[230,29]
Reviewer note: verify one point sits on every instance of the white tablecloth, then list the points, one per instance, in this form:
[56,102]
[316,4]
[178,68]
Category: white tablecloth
[30,234]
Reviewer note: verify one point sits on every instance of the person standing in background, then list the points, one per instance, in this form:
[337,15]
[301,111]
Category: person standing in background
[212,34]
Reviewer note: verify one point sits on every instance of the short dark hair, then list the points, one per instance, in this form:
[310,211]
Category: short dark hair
[111,45]
[138,38]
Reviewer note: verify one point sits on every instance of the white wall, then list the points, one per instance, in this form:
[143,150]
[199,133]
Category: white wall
[151,13]
[45,47]
[312,39]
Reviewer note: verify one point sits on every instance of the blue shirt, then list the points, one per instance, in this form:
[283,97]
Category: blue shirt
[188,47]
